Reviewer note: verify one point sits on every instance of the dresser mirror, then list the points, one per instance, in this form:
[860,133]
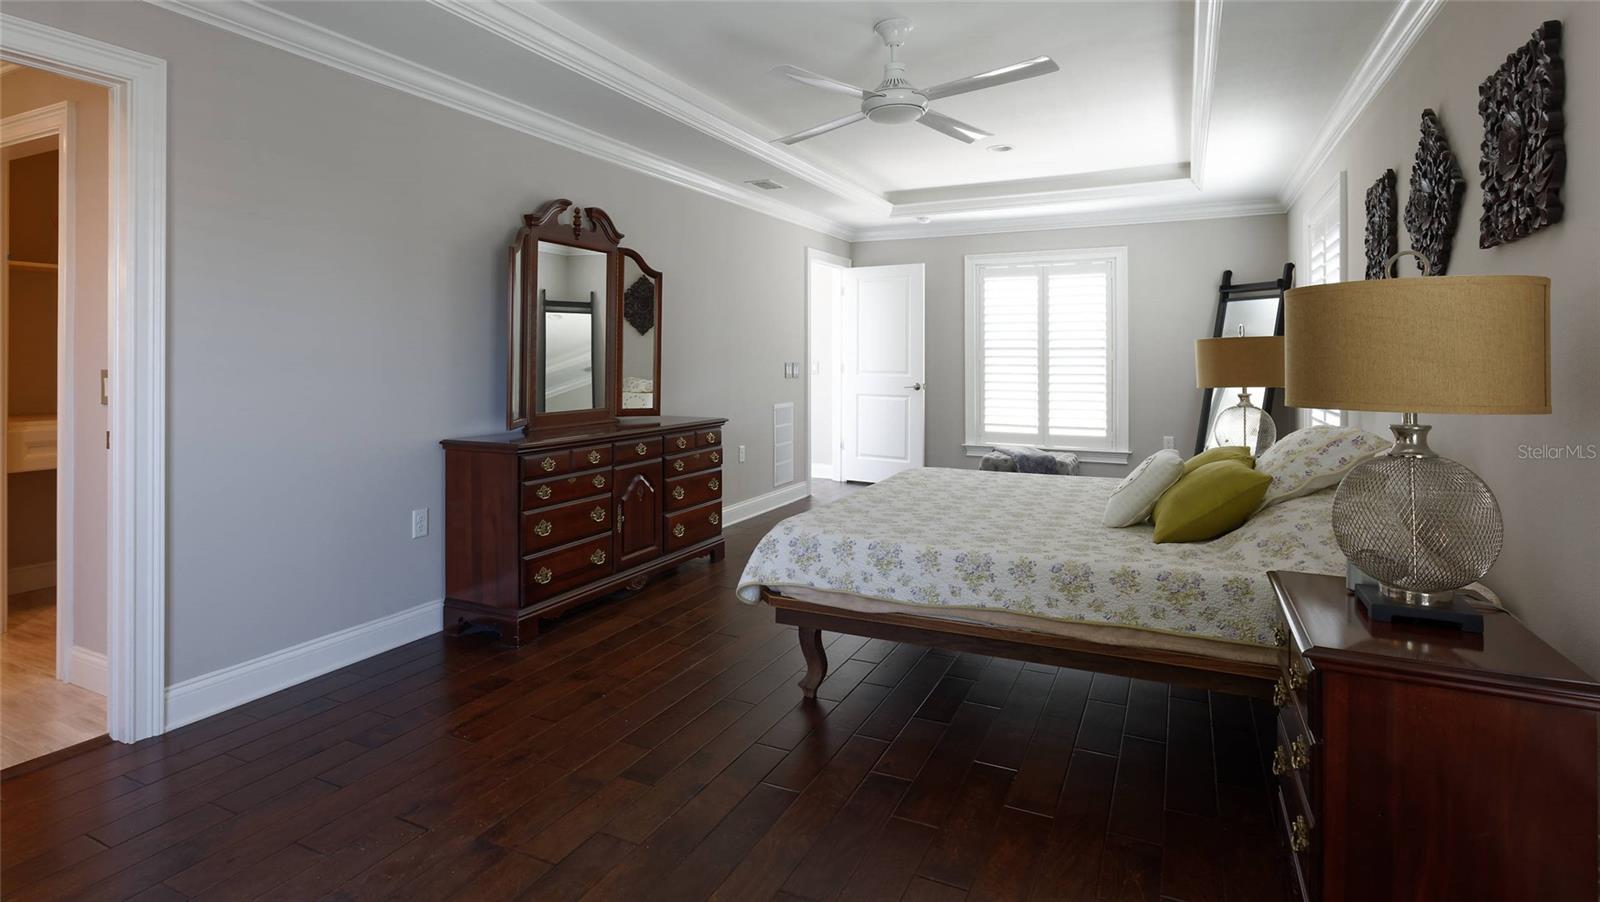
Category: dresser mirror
[583,323]
[641,338]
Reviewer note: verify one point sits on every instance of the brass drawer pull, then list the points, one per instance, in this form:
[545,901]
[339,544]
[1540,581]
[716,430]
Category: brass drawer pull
[1278,637]
[641,448]
[598,558]
[548,464]
[544,576]
[683,442]
[598,515]
[1280,693]
[542,528]
[714,484]
[1299,834]
[715,519]
[594,457]
[711,438]
[715,457]
[677,493]
[677,531]
[599,482]
[1297,677]
[677,465]
[543,492]
[1280,762]
[1299,753]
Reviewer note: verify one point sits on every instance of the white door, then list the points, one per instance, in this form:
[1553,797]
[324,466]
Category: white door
[883,376]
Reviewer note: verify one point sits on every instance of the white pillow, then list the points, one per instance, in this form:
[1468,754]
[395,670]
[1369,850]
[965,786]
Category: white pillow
[1135,496]
[1314,458]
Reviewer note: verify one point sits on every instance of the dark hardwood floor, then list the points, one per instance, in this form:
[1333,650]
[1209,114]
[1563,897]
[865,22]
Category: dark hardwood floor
[656,747]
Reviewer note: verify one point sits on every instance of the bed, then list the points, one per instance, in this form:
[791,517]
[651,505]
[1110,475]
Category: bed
[1018,565]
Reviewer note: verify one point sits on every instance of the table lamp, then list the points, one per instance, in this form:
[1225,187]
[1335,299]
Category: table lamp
[1241,361]
[1422,525]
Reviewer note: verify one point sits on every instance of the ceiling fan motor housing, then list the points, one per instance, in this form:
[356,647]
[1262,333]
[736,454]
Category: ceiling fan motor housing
[894,101]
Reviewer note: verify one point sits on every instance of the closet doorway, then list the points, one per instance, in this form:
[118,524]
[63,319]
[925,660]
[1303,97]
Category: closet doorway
[54,146]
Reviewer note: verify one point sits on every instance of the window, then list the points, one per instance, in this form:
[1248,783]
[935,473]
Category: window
[1046,362]
[1325,263]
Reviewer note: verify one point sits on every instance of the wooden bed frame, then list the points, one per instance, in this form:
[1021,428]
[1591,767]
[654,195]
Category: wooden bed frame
[1182,668]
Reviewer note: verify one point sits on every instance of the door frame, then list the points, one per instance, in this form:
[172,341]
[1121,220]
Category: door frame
[54,121]
[816,256]
[137,328]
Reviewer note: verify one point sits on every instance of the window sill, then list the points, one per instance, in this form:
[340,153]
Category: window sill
[1096,456]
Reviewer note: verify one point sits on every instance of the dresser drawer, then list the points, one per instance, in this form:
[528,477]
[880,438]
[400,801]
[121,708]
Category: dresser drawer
[682,441]
[697,488]
[709,437]
[548,575]
[547,463]
[635,451]
[552,526]
[562,489]
[591,456]
[687,527]
[693,462]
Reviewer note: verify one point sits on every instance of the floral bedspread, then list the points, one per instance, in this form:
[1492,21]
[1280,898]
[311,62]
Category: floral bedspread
[1033,544]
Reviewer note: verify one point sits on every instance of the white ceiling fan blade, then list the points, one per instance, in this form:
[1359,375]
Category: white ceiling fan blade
[955,128]
[1039,65]
[807,77]
[822,129]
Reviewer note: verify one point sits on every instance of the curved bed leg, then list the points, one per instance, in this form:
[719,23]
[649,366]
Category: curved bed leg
[816,661]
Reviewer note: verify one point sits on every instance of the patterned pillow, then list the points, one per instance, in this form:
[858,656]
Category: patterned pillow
[1314,458]
[1135,496]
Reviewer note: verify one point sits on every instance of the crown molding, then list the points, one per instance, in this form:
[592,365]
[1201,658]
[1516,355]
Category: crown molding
[554,37]
[1409,20]
[1156,213]
[270,26]
[1039,194]
[1207,37]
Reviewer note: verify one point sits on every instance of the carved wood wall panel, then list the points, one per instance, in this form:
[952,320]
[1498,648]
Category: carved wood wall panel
[1524,160]
[1434,206]
[1383,239]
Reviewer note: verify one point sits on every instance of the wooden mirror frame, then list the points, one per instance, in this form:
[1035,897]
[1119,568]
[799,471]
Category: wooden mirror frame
[654,275]
[590,229]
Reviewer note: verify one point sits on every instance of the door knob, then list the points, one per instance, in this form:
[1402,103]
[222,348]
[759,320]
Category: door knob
[915,386]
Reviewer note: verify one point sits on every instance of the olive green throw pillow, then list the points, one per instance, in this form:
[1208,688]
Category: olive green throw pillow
[1212,455]
[1212,501]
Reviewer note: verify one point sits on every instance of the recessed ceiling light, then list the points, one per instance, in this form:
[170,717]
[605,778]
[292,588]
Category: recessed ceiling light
[763,184]
[924,219]
[1001,148]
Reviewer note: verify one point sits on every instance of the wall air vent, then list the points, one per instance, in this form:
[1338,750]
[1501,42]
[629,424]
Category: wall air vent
[764,184]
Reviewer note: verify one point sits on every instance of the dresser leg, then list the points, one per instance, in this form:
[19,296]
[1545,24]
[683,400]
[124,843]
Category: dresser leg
[523,631]
[816,661]
[718,553]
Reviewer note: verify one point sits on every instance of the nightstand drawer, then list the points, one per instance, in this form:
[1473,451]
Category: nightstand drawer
[1295,759]
[547,492]
[1299,836]
[565,523]
[696,524]
[550,574]
[546,463]
[693,463]
[633,452]
[698,488]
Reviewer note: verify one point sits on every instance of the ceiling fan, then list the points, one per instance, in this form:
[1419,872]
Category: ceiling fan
[895,100]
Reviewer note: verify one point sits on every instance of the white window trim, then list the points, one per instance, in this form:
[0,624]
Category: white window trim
[1317,213]
[1116,449]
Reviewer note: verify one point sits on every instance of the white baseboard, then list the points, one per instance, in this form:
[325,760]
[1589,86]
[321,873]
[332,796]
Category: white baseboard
[760,504]
[219,690]
[88,669]
[822,471]
[31,577]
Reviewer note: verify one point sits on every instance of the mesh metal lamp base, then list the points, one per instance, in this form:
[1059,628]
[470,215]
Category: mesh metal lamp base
[1421,524]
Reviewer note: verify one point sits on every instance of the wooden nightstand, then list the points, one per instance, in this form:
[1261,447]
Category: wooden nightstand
[1415,762]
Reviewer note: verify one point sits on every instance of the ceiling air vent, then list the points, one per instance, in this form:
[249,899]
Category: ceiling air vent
[763,184]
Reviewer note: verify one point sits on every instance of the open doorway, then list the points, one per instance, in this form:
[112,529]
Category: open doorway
[54,225]
[825,278]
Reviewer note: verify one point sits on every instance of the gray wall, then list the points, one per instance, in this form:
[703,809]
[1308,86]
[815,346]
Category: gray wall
[1173,271]
[1549,573]
[336,255]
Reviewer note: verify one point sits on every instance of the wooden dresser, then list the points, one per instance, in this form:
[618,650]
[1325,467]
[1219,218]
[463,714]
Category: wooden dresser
[1415,762]
[535,524]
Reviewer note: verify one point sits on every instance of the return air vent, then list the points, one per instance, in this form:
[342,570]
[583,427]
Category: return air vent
[764,184]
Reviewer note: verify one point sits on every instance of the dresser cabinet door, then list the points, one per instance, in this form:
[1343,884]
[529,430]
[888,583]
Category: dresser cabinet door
[638,526]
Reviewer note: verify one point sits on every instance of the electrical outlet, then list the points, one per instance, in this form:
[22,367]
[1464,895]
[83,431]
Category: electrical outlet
[419,523]
[1168,443]
[741,454]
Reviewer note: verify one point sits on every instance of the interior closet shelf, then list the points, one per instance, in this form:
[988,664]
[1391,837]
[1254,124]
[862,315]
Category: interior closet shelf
[31,264]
